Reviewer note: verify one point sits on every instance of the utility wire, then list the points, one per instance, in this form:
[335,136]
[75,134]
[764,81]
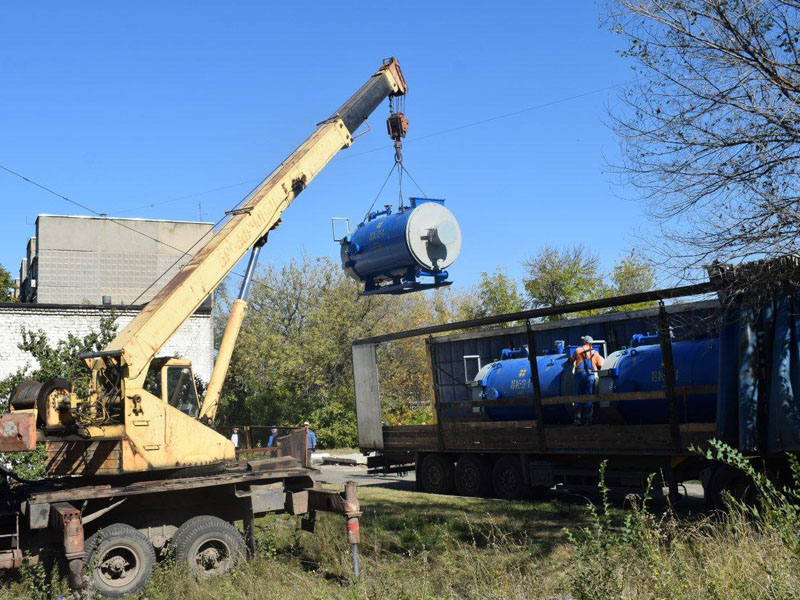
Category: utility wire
[177,260]
[84,207]
[158,241]
[189,196]
[491,119]
[400,172]
[346,156]
[184,253]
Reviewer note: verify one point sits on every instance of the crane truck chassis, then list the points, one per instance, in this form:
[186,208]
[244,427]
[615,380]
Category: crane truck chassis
[111,531]
[141,469]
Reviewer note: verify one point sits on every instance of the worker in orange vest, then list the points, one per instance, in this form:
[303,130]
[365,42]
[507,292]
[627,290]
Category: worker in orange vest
[586,364]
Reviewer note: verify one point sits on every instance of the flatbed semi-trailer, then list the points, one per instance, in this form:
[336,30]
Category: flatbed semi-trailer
[504,458]
[469,451]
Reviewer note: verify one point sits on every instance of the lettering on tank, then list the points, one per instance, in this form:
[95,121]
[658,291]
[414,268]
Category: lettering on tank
[520,384]
[657,376]
[378,233]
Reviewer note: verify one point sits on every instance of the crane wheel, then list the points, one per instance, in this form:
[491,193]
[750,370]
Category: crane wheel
[437,474]
[119,561]
[473,476]
[208,546]
[507,478]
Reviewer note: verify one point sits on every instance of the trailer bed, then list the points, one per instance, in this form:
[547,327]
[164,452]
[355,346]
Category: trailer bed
[519,436]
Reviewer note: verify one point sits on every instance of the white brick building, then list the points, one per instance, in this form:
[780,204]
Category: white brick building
[195,340]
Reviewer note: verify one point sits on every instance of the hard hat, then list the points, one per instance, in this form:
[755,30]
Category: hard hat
[588,339]
[306,423]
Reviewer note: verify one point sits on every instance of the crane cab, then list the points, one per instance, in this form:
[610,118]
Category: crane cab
[172,380]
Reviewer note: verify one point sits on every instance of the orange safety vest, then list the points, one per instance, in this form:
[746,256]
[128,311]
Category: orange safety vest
[594,359]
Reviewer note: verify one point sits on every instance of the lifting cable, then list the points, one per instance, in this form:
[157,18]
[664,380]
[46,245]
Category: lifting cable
[397,127]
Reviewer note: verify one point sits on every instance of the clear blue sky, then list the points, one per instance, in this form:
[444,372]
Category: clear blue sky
[122,105]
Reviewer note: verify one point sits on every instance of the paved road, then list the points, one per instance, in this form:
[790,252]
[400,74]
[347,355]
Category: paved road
[337,475]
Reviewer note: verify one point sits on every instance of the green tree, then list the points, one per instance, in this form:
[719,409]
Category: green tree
[562,276]
[632,275]
[293,358]
[7,286]
[494,294]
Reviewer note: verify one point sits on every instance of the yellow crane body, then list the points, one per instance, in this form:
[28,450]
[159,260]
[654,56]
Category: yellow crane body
[142,412]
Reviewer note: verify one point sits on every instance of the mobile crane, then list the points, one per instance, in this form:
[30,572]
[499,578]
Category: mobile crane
[146,469]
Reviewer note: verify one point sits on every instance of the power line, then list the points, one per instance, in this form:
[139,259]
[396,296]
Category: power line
[177,260]
[103,216]
[346,156]
[84,207]
[189,196]
[494,118]
[185,252]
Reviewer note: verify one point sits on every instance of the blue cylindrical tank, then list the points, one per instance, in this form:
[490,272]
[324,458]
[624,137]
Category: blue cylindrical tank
[511,379]
[640,369]
[392,249]
[635,369]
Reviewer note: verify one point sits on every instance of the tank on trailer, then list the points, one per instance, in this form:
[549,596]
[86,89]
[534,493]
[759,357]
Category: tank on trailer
[634,369]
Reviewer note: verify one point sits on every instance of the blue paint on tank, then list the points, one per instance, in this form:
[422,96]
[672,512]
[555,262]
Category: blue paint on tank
[389,251]
[636,369]
[640,370]
[511,379]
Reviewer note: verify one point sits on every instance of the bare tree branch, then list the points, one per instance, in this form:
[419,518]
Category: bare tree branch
[710,131]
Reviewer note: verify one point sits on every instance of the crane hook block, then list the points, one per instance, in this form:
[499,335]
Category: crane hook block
[397,126]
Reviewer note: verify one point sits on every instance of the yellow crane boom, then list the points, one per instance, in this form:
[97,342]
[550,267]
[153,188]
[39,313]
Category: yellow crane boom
[142,413]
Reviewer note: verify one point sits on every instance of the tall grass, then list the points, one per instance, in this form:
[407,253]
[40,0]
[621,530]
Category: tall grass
[420,546]
[750,551]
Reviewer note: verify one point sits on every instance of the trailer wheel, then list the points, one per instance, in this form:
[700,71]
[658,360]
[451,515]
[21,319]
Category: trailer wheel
[437,475]
[473,476]
[727,481]
[119,560]
[208,546]
[507,478]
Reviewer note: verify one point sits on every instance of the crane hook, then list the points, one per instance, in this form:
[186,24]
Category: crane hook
[397,126]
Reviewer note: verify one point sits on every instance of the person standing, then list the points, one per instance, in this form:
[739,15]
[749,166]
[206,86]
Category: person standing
[311,438]
[273,437]
[586,365]
[235,437]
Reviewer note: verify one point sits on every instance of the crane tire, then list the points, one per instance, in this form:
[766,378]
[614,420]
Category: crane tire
[208,546]
[473,476]
[437,474]
[507,478]
[119,561]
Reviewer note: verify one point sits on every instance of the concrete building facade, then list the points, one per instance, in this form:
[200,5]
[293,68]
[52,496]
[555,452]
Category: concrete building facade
[74,262]
[194,340]
[78,259]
